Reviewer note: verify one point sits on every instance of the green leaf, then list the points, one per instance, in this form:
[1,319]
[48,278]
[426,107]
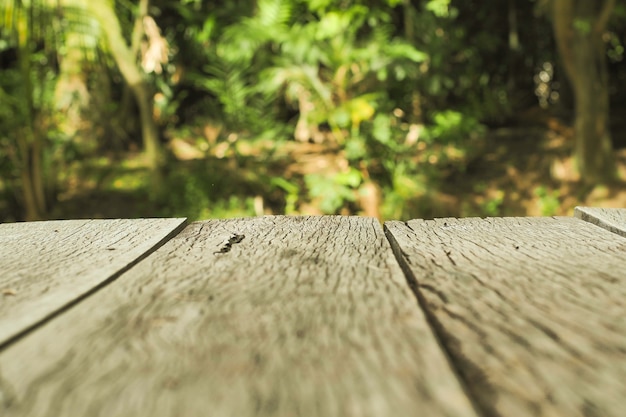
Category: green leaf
[318,5]
[332,194]
[355,148]
[583,26]
[351,178]
[285,185]
[360,110]
[399,49]
[272,13]
[340,117]
[408,185]
[382,129]
[207,29]
[439,8]
[330,26]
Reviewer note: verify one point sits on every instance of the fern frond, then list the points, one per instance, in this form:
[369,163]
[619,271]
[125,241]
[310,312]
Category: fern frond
[273,13]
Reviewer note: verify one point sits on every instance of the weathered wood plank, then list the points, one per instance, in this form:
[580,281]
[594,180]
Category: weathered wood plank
[532,311]
[46,266]
[272,316]
[611,219]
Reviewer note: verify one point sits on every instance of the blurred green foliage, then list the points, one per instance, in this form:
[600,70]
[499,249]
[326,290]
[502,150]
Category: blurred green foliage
[399,92]
[548,200]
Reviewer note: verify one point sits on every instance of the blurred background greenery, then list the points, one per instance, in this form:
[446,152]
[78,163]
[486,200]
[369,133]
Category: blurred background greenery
[389,108]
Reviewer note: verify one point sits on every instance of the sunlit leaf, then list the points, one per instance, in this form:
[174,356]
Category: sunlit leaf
[340,117]
[355,148]
[360,110]
[351,178]
[330,191]
[381,129]
[404,50]
[439,8]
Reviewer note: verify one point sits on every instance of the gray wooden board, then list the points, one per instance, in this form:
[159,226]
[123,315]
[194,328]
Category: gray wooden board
[532,311]
[45,266]
[304,316]
[611,219]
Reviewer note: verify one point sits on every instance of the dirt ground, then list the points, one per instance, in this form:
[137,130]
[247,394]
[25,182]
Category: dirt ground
[530,171]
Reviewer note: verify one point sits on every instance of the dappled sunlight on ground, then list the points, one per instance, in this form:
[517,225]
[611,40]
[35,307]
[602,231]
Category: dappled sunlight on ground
[530,172]
[513,171]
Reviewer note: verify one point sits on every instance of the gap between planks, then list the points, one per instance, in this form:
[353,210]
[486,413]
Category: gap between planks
[36,280]
[435,328]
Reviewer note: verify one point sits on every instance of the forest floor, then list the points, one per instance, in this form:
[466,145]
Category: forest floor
[530,172]
[522,170]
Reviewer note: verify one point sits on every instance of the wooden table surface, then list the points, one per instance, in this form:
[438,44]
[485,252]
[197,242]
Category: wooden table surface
[315,316]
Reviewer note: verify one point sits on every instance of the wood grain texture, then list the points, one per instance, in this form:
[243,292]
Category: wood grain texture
[532,311]
[302,316]
[45,266]
[611,219]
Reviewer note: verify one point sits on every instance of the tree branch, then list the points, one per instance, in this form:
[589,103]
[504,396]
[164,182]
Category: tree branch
[562,21]
[138,28]
[604,16]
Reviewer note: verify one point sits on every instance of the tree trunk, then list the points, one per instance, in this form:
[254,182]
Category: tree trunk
[578,27]
[71,94]
[30,138]
[29,195]
[409,34]
[134,77]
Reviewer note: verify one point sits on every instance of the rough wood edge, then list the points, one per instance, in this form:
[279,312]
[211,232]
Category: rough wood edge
[611,219]
[11,339]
